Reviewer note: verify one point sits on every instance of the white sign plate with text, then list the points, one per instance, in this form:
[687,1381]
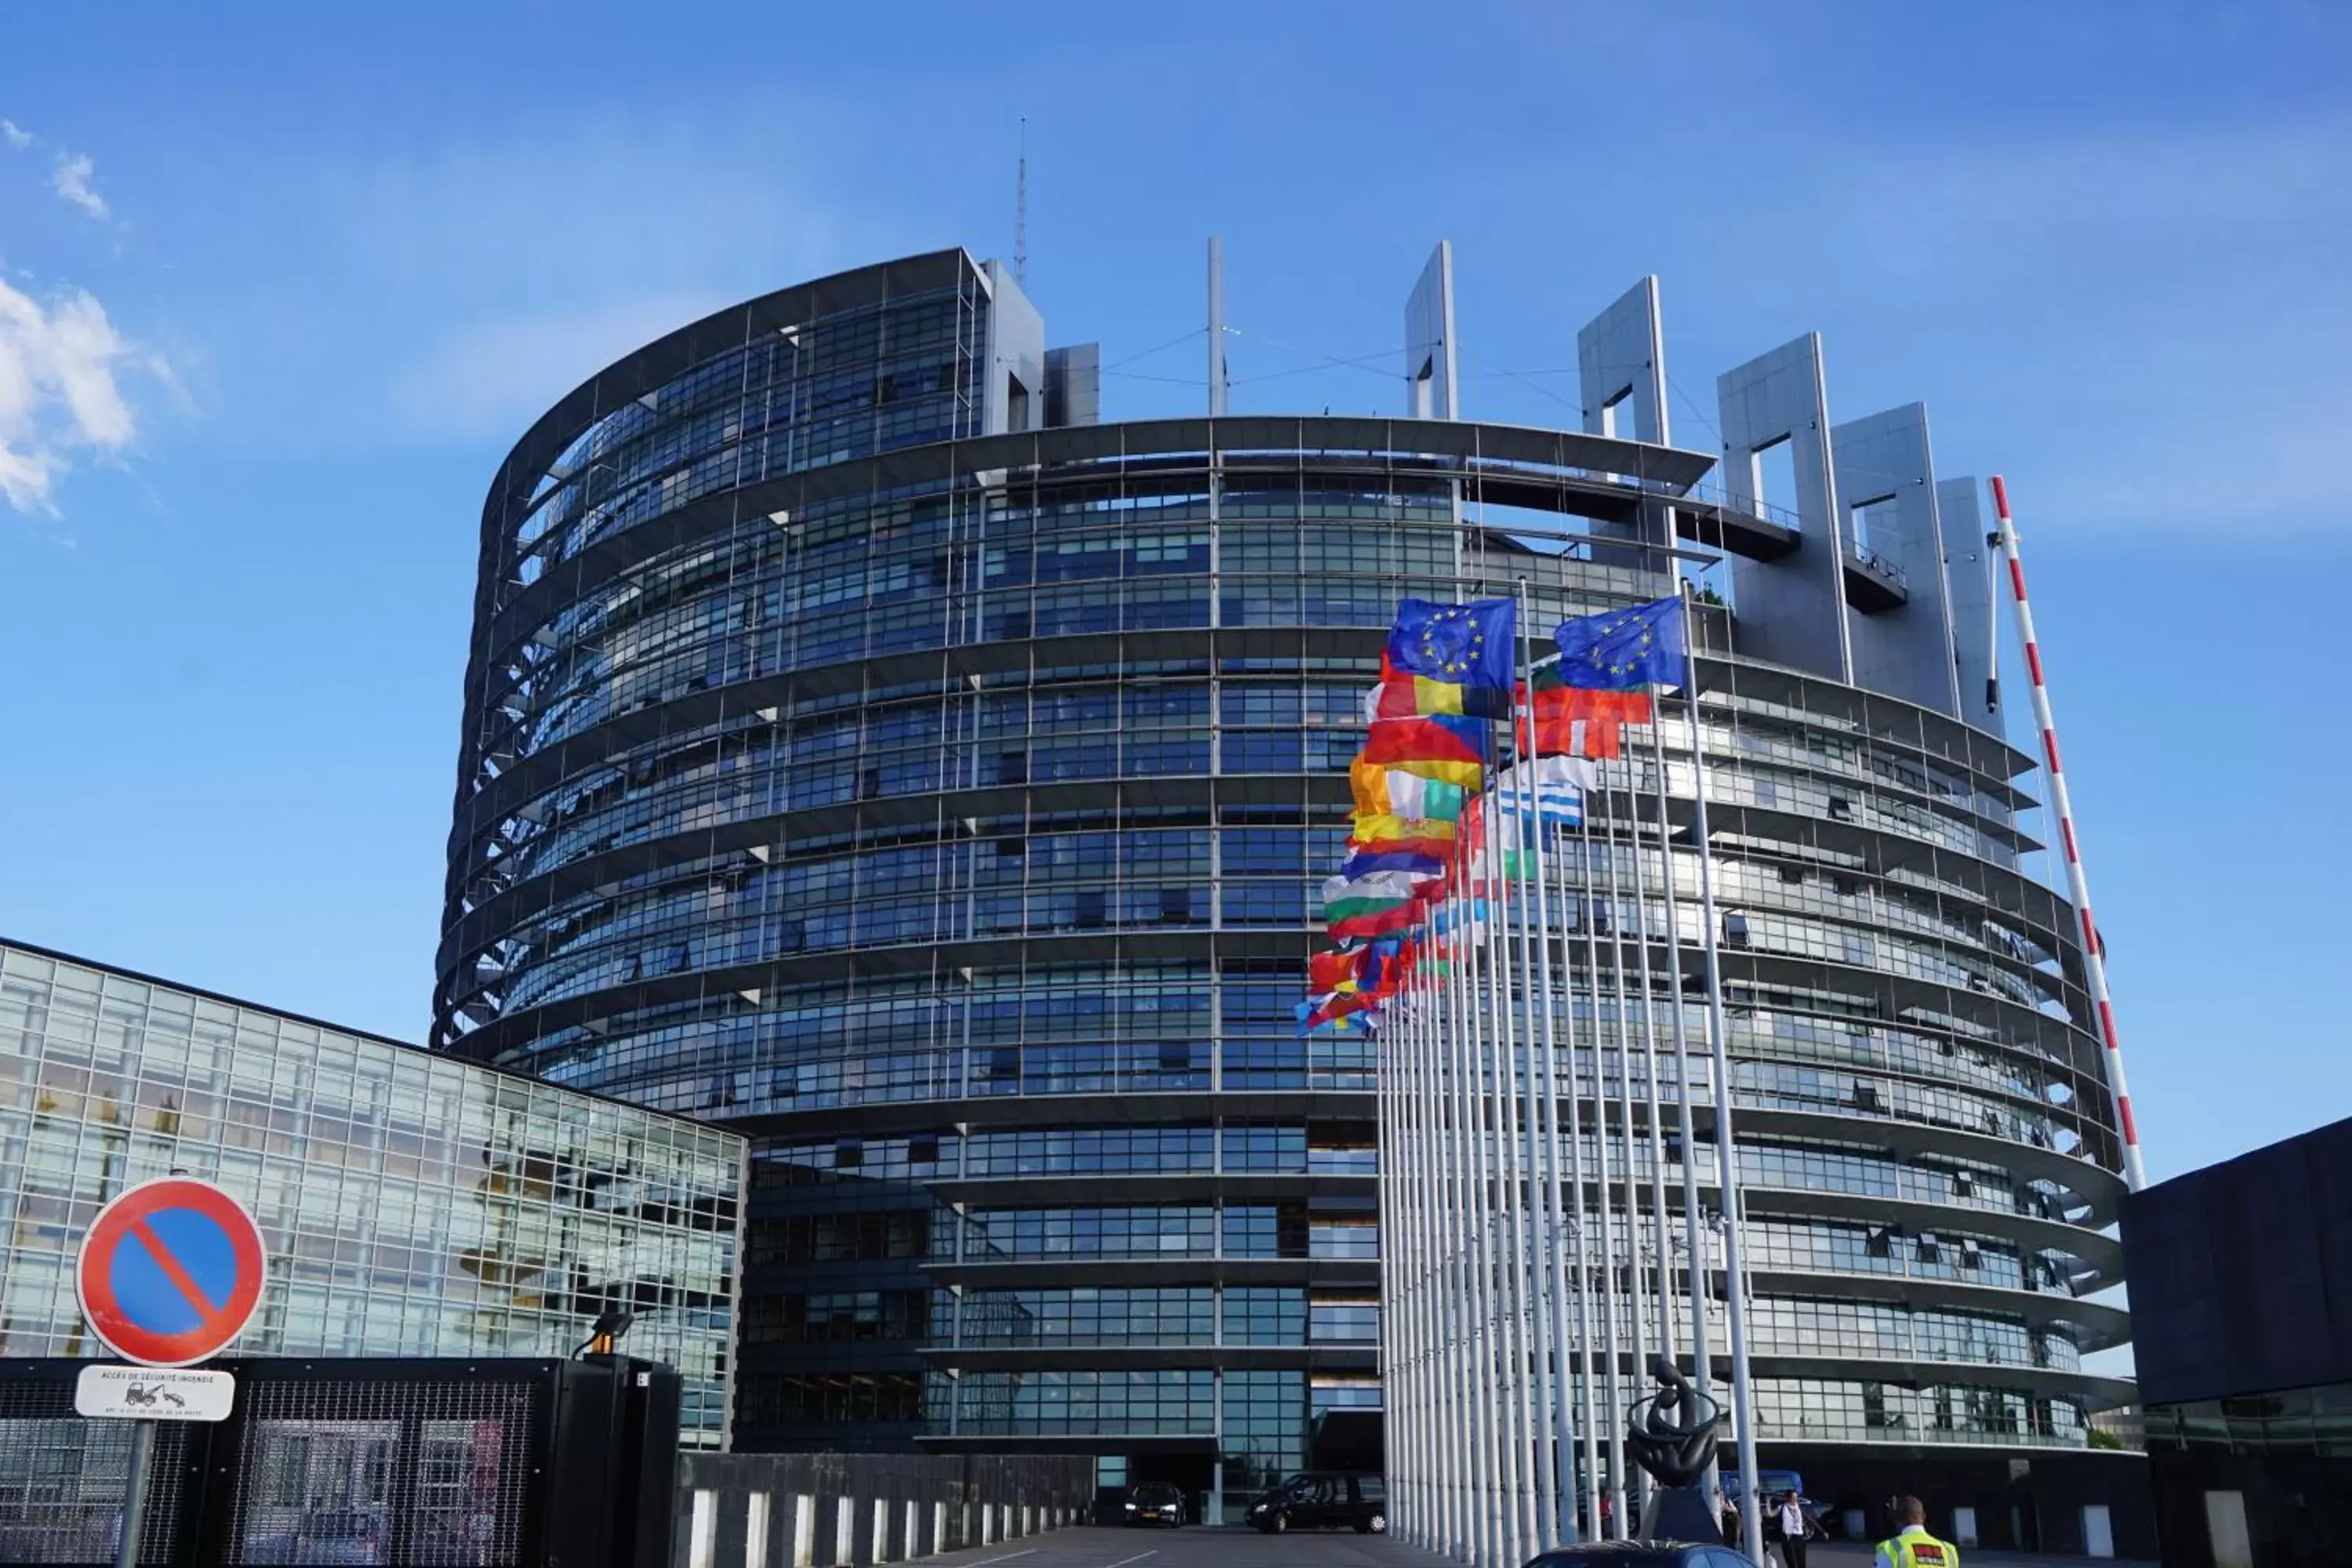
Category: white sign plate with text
[153,1394]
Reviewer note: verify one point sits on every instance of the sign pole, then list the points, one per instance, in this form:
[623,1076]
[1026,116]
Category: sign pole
[134,1494]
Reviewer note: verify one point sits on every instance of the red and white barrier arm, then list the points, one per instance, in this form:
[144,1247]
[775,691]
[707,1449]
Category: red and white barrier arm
[2095,965]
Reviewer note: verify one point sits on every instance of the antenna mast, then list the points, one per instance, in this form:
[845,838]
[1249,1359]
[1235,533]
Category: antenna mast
[1021,211]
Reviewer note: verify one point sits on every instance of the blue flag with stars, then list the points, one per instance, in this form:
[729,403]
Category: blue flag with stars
[1619,649]
[1472,645]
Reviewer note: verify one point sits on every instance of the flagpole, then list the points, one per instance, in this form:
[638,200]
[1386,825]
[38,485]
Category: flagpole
[1561,1432]
[1666,1317]
[1693,1236]
[1587,1501]
[1520,1436]
[1444,1303]
[1636,1304]
[1563,1454]
[1471,1131]
[1608,1236]
[1751,1516]
[1541,1194]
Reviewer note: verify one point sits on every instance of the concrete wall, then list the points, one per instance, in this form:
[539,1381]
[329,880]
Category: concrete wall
[853,1511]
[1432,379]
[1883,463]
[1792,610]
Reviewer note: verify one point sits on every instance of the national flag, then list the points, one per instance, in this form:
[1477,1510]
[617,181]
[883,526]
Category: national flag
[1403,695]
[1619,649]
[1336,1015]
[1575,721]
[1385,888]
[1475,644]
[1389,829]
[1549,790]
[1450,750]
[1464,918]
[1365,860]
[1381,790]
[1369,906]
[1435,850]
[1330,972]
[1338,1003]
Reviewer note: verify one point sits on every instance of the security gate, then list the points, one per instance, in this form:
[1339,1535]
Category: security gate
[407,1464]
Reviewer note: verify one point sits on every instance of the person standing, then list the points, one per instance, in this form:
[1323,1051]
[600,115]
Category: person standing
[1912,1546]
[1794,1528]
[1729,1518]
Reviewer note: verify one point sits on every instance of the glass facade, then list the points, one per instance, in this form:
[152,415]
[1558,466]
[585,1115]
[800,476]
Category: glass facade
[411,1204]
[943,808]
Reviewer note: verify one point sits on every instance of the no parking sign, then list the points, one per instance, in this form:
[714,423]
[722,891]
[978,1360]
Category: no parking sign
[171,1271]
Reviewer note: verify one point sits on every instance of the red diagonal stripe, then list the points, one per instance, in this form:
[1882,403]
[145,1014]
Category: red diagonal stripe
[171,1268]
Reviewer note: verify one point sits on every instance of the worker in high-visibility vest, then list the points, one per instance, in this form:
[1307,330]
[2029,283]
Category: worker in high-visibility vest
[1912,1546]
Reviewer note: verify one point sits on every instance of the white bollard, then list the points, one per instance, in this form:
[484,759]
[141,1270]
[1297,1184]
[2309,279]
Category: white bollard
[755,1531]
[845,1534]
[702,1531]
[881,1531]
[803,1531]
[910,1546]
[939,1526]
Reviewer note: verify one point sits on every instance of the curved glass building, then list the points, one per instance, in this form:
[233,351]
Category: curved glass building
[867,749]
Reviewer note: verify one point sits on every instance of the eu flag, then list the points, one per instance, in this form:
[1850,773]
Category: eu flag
[1472,645]
[1618,649]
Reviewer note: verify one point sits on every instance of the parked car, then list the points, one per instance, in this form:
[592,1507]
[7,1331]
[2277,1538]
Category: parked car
[1642,1555]
[1324,1500]
[1154,1503]
[1776,1485]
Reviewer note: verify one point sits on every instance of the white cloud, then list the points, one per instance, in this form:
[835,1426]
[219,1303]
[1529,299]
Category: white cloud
[58,390]
[15,136]
[72,181]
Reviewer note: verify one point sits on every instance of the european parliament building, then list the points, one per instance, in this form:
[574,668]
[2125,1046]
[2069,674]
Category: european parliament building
[868,749]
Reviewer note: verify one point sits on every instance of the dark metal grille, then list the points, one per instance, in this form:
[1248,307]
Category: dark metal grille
[62,1481]
[432,1475]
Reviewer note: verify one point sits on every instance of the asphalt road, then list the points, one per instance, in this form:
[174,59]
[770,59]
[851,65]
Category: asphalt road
[1089,1546]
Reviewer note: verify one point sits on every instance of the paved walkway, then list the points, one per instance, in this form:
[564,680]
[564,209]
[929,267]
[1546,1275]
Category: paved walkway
[1853,1554]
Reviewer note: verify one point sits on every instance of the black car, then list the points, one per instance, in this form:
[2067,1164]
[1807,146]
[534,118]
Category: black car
[1154,1503]
[1325,1500]
[1642,1555]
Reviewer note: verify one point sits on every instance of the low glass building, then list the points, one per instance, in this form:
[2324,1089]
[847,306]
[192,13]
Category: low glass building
[868,750]
[412,1204]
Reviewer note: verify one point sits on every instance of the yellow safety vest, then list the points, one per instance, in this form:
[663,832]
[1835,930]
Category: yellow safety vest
[1921,1550]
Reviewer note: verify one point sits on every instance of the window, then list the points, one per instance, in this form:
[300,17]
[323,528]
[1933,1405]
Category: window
[1841,809]
[1928,1251]
[1735,929]
[848,1154]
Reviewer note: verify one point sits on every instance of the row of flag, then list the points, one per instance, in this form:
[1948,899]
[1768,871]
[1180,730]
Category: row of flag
[1419,871]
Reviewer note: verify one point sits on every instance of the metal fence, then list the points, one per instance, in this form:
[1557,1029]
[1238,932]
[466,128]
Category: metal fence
[406,1464]
[853,1511]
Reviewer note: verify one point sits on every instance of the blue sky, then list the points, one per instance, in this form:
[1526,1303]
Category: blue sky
[277,288]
